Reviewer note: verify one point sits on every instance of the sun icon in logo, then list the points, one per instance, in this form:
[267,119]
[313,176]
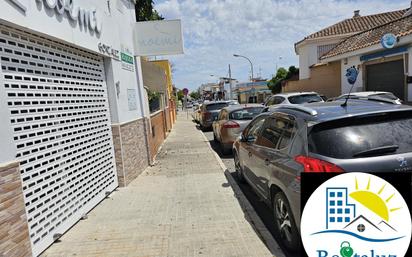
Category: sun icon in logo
[373,201]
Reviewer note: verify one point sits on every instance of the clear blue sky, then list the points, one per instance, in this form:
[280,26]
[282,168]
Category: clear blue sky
[262,30]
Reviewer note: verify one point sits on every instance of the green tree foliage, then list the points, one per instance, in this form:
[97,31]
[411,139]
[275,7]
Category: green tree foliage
[275,84]
[145,11]
[180,95]
[195,95]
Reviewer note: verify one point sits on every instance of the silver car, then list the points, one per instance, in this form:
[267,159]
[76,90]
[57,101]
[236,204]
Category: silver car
[294,98]
[231,122]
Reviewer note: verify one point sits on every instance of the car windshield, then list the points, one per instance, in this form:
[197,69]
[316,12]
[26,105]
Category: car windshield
[301,99]
[246,113]
[216,106]
[369,136]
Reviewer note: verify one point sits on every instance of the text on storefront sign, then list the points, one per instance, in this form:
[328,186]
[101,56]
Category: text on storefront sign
[83,16]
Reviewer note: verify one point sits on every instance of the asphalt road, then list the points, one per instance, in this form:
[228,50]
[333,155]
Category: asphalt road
[265,213]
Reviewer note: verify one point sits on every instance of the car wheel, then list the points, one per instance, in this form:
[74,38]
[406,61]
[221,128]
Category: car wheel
[214,136]
[226,150]
[238,168]
[285,222]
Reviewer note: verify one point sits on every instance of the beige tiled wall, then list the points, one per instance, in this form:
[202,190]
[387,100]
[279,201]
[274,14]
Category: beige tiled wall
[130,145]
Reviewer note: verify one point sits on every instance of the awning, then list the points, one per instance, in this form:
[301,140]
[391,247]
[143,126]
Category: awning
[154,77]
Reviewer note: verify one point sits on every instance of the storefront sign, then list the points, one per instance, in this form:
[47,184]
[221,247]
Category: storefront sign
[158,38]
[388,40]
[108,50]
[127,61]
[19,5]
[83,16]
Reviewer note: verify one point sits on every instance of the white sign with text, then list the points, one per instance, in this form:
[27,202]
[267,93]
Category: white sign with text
[158,38]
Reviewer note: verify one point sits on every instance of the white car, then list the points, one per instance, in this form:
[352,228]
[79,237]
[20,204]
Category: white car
[293,98]
[379,95]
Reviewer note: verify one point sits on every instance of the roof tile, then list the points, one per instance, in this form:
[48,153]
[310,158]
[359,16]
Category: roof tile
[400,27]
[357,24]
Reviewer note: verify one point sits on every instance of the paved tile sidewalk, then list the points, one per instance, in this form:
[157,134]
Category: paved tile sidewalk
[183,206]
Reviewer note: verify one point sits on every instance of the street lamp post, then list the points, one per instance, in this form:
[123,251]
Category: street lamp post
[251,65]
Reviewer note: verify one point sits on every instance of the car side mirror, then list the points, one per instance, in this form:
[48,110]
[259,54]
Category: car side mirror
[249,138]
[265,109]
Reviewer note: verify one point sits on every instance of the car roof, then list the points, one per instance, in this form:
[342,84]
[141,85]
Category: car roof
[295,93]
[327,111]
[236,107]
[366,93]
[216,102]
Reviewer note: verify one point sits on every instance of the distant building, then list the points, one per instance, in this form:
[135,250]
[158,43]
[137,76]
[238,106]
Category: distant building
[328,78]
[251,92]
[381,67]
[339,211]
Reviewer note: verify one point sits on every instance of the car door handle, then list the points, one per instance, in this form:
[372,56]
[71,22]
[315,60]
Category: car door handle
[267,162]
[250,154]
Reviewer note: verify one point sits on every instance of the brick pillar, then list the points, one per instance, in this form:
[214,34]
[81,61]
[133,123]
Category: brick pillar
[14,231]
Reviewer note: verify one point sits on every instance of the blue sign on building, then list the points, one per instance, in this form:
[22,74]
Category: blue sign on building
[388,40]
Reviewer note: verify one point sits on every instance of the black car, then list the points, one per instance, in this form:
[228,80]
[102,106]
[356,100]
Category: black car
[276,147]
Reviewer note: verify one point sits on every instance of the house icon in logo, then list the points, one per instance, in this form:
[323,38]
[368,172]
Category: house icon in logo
[338,210]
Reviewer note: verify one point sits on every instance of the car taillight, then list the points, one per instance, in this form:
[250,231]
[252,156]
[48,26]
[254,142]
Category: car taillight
[315,165]
[231,124]
[207,115]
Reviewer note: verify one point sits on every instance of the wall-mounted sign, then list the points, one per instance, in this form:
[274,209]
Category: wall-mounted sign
[109,51]
[388,40]
[158,37]
[352,75]
[19,4]
[86,17]
[131,99]
[127,61]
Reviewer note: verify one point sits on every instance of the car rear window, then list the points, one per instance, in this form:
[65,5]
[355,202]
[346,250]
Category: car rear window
[301,99]
[217,106]
[246,113]
[363,137]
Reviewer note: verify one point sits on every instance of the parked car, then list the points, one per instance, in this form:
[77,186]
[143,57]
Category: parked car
[189,105]
[294,98]
[231,122]
[209,112]
[371,95]
[276,147]
[233,102]
[196,111]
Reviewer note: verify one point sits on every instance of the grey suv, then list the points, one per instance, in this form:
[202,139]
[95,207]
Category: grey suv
[276,147]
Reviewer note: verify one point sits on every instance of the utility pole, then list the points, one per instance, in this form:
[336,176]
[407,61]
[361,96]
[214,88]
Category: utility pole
[230,84]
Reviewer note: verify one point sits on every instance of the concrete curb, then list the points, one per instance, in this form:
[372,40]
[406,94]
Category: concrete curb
[247,207]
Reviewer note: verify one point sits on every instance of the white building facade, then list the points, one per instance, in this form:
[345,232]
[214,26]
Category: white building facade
[74,114]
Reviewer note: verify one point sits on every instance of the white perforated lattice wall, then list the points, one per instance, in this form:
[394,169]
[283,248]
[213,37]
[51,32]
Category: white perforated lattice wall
[57,98]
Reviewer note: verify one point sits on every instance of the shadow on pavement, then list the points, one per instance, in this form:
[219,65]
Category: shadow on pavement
[263,211]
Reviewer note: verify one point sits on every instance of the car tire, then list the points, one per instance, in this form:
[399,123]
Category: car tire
[285,223]
[238,168]
[214,137]
[226,150]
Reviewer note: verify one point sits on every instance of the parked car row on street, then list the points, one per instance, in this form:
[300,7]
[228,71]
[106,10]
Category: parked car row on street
[363,135]
[292,133]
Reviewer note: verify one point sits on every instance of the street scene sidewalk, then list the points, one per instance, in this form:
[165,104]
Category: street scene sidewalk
[181,206]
